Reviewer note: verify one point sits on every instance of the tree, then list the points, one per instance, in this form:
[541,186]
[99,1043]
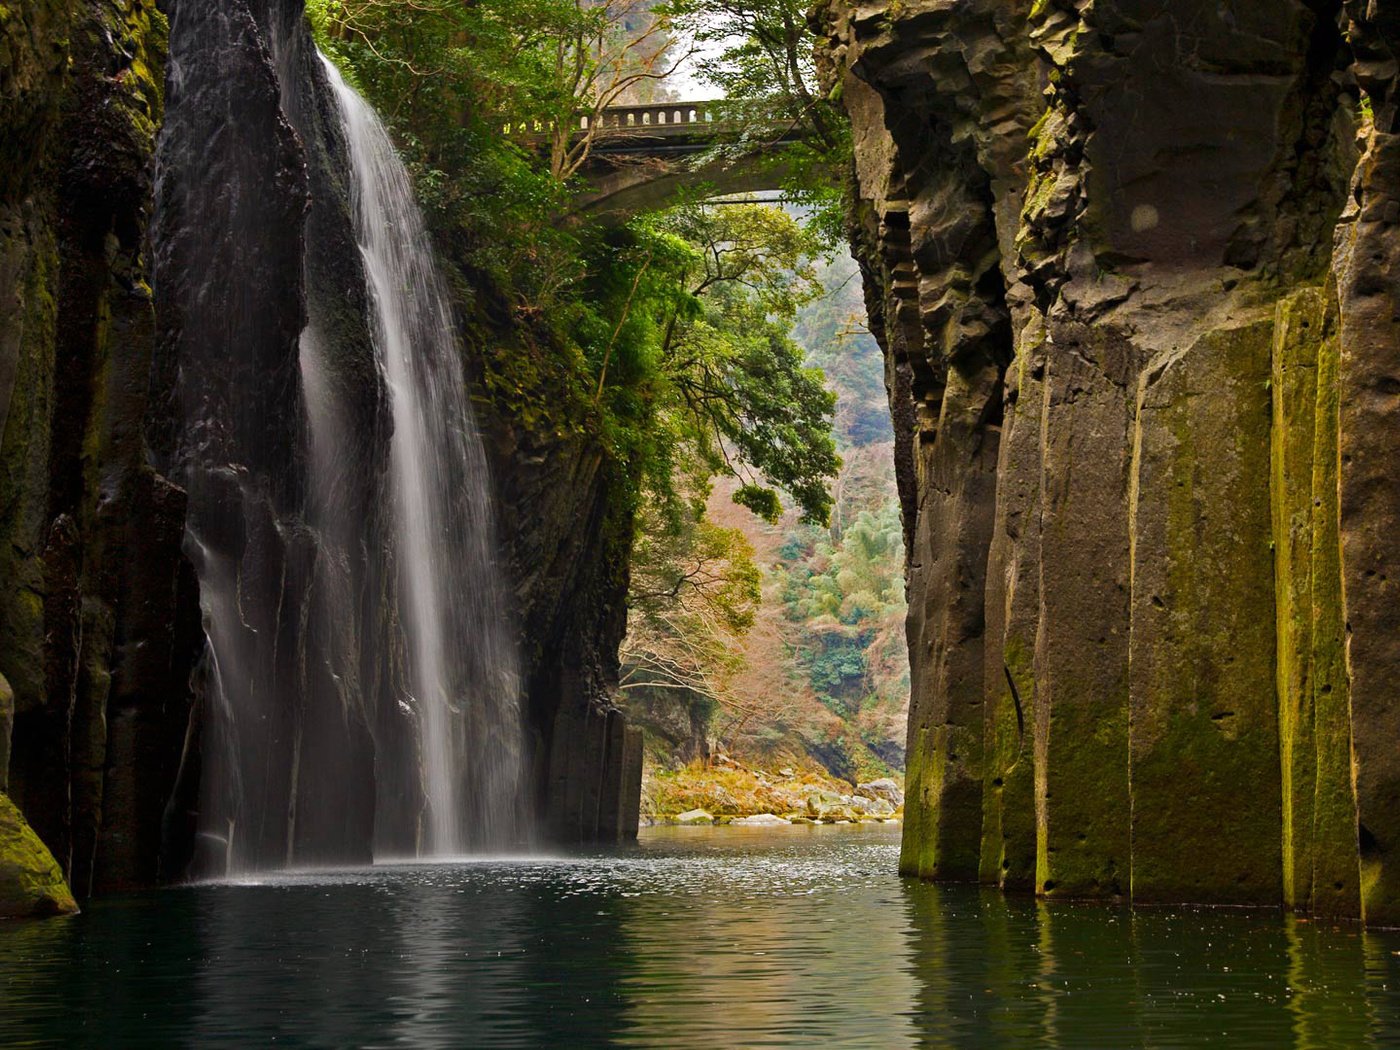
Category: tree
[612,49]
[765,71]
[543,70]
[731,382]
[711,295]
[694,592]
[765,66]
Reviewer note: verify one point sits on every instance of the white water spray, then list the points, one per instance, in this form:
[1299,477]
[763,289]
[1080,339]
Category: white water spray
[462,666]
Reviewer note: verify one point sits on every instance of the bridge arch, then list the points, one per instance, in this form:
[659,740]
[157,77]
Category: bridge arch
[646,157]
[617,189]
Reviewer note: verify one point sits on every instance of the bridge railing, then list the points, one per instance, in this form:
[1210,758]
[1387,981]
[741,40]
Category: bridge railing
[658,117]
[653,119]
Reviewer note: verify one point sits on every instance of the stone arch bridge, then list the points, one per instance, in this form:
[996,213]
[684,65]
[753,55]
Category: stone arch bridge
[645,157]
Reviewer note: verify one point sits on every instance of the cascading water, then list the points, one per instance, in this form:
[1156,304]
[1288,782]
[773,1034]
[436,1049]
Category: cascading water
[461,665]
[360,693]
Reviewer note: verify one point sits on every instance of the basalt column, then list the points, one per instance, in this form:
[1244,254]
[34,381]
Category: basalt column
[1367,273]
[1158,237]
[937,201]
[299,742]
[98,615]
[1185,653]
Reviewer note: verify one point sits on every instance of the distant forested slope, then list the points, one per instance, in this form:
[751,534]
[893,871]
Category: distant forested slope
[821,672]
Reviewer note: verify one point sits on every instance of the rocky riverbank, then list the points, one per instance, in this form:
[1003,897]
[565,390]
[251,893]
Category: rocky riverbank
[725,791]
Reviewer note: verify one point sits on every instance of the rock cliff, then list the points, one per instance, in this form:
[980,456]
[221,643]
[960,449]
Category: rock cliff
[98,616]
[153,300]
[319,643]
[1133,266]
[568,542]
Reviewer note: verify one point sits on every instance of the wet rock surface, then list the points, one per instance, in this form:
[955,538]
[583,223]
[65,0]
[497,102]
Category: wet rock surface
[98,617]
[319,629]
[31,883]
[567,541]
[151,310]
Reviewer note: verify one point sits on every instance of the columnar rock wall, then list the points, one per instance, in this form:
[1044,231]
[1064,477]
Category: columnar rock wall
[99,620]
[318,643]
[1133,268]
[568,538]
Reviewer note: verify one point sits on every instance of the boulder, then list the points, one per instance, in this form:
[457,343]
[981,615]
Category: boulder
[884,788]
[761,820]
[695,816]
[874,807]
[819,802]
[31,884]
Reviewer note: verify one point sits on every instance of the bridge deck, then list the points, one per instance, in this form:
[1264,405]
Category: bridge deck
[655,128]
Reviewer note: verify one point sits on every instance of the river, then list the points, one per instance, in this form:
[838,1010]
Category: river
[698,937]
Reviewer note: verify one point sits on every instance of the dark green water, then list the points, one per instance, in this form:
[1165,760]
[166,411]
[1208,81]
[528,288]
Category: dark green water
[700,937]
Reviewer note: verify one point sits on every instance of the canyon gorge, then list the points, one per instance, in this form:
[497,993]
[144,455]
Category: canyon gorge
[279,593]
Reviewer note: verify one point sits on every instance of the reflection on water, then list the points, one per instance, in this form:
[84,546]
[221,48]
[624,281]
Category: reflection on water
[996,972]
[698,938]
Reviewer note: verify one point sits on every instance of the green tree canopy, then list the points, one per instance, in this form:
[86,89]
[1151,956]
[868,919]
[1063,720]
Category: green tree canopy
[734,385]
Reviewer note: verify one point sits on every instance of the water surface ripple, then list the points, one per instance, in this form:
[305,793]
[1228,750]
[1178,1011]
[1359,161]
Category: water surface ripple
[697,938]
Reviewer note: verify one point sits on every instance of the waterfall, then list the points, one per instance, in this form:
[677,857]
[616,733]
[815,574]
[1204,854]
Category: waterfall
[459,653]
[359,697]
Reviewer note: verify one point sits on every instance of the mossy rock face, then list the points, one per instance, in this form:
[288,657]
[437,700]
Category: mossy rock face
[1013,620]
[1080,665]
[33,61]
[1204,735]
[31,884]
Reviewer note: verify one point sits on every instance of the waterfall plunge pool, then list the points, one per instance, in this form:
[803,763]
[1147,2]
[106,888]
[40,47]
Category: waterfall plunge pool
[698,937]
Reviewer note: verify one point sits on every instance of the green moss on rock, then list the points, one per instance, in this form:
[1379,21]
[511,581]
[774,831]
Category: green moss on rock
[28,248]
[1008,808]
[7,726]
[31,884]
[923,780]
[1320,868]
[1297,326]
[33,62]
[1013,608]
[1335,875]
[1204,718]
[1082,653]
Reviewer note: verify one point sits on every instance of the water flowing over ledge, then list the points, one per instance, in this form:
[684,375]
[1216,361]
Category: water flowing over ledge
[361,697]
[462,664]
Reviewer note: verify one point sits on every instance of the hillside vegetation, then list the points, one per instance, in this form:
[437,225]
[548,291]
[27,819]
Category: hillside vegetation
[813,674]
